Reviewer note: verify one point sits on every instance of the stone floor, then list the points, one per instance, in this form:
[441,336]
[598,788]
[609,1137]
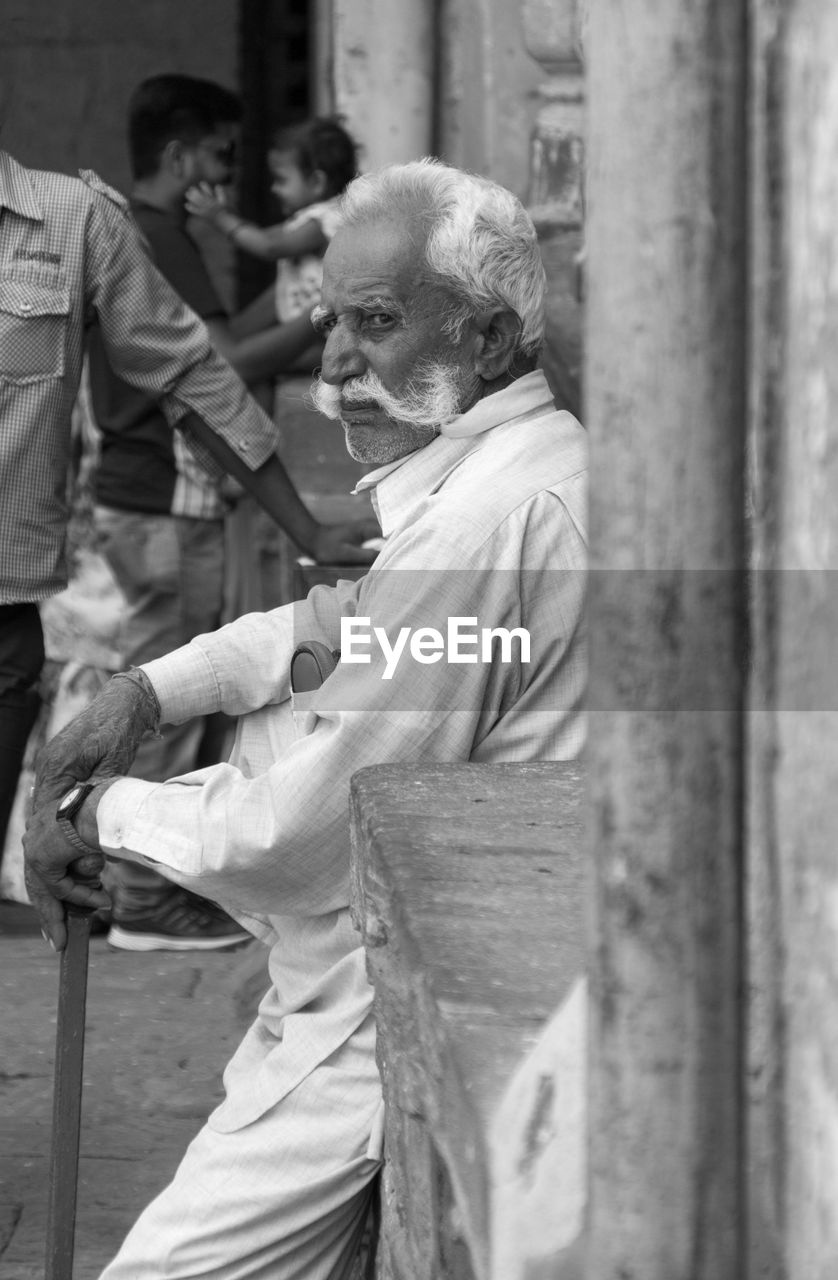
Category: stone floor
[160,1027]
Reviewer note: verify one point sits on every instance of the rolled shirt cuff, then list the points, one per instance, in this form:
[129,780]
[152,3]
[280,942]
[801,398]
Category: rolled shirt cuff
[185,683]
[116,815]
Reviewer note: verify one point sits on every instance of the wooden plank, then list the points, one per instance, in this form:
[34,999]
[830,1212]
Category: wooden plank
[468,886]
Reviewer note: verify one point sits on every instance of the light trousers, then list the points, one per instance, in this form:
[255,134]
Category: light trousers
[170,569]
[283,1198]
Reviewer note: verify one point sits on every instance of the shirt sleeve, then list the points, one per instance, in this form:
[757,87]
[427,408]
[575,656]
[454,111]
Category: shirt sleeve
[155,342]
[279,841]
[245,665]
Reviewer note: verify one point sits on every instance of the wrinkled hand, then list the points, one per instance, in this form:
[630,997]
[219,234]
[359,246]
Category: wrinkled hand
[205,201]
[55,874]
[341,543]
[102,739]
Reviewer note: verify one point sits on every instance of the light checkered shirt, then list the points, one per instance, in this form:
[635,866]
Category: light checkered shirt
[486,522]
[69,250]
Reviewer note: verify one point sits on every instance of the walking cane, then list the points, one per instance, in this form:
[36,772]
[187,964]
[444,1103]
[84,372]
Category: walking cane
[66,1110]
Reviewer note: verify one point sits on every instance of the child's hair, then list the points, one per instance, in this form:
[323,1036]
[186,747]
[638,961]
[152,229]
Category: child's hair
[321,143]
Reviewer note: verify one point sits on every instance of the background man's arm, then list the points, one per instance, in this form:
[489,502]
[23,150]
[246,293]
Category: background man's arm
[278,349]
[271,485]
[156,343]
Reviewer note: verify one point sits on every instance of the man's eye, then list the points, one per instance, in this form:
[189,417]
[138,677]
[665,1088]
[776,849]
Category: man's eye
[377,320]
[324,324]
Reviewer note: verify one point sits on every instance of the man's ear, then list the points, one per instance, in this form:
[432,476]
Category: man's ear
[173,157]
[495,348]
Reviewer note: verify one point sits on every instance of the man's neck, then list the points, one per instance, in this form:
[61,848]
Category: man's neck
[487,387]
[158,193]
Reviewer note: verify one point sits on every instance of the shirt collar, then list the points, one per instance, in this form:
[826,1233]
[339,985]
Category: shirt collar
[399,487]
[16,192]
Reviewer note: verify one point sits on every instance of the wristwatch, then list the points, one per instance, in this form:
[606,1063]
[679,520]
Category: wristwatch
[68,807]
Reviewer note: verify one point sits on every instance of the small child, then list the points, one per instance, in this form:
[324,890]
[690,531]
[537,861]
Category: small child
[311,164]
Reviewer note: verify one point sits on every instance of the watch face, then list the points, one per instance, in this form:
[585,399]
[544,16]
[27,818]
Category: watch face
[67,806]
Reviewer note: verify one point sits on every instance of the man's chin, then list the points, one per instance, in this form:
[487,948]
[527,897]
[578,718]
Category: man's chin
[375,445]
[364,442]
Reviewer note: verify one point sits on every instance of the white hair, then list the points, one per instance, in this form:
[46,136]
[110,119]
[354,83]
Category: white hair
[481,243]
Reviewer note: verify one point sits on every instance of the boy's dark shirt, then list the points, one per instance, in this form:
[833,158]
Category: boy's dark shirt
[137,468]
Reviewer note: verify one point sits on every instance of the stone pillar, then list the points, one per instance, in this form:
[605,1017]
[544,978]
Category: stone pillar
[666,404]
[383,61]
[793,1076]
[552,32]
[321,57]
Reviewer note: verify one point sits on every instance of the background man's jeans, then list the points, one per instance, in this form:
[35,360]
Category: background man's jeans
[171,571]
[21,660]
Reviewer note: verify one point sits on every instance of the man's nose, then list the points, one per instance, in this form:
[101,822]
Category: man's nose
[342,357]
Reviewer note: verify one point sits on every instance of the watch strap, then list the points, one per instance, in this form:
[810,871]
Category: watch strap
[67,808]
[72,837]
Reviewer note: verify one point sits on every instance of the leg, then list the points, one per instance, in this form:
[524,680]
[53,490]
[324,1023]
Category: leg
[170,570]
[21,659]
[284,1198]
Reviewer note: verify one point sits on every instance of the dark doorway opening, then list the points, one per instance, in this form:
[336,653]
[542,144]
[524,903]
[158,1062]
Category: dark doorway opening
[276,43]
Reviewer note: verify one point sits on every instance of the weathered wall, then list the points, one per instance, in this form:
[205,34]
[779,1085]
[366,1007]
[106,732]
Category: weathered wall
[793,871]
[68,68]
[666,400]
[466,90]
[383,68]
[488,91]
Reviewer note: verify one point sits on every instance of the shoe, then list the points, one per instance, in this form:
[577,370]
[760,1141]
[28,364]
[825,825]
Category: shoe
[182,922]
[101,921]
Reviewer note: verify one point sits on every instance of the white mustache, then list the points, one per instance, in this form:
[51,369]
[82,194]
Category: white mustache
[433,396]
[368,386]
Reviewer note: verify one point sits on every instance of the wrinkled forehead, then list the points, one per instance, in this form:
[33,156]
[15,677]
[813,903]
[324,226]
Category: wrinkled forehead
[380,258]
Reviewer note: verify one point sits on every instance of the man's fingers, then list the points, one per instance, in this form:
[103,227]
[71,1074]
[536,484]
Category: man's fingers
[341,543]
[348,553]
[47,883]
[359,530]
[88,867]
[50,910]
[79,894]
[50,893]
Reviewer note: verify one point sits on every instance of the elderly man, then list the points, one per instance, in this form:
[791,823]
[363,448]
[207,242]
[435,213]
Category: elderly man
[464,642]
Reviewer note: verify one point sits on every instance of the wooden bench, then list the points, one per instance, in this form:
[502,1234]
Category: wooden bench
[468,884]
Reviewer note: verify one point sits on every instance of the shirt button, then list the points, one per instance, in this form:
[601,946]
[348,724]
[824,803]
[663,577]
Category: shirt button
[26,307]
[243,445]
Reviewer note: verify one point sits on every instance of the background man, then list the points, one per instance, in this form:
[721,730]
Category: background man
[69,253]
[433,310]
[160,516]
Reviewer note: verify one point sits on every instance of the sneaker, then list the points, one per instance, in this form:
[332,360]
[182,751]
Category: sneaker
[182,922]
[101,921]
